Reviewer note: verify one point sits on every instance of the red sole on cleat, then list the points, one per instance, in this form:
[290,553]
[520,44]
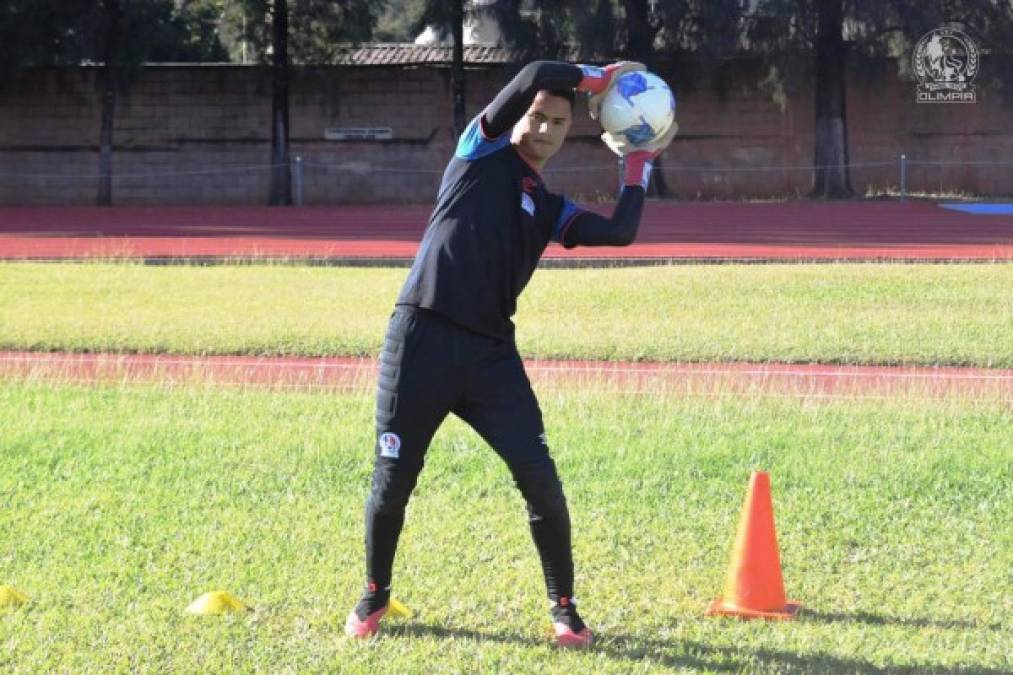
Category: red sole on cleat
[363,630]
[566,638]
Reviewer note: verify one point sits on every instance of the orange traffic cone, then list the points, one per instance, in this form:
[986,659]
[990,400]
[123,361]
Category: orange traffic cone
[754,587]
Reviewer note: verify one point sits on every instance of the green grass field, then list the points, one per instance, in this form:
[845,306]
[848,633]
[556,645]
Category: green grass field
[122,504]
[884,314]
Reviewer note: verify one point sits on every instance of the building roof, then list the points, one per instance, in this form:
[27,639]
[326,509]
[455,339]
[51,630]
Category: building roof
[408,54]
[405,54]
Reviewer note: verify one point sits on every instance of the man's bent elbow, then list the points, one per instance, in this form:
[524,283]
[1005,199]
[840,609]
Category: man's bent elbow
[626,237]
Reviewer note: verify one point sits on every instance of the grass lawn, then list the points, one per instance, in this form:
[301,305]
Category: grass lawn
[122,504]
[877,314]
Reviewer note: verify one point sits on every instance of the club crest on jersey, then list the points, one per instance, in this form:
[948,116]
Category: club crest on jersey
[390,445]
[527,203]
[528,184]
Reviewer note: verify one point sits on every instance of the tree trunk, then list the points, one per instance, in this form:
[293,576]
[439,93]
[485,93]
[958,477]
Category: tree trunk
[105,138]
[281,174]
[457,67]
[110,78]
[830,159]
[640,34]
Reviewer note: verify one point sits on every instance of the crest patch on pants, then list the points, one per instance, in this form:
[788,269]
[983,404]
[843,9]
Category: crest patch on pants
[390,445]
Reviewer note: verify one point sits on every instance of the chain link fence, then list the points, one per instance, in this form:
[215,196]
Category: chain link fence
[315,181]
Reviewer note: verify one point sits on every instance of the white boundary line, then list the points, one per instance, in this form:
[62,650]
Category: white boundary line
[618,368]
[352,388]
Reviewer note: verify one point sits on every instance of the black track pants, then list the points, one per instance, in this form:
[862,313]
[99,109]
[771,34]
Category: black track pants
[431,367]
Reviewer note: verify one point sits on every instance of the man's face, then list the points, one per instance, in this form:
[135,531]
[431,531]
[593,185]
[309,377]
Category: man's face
[541,132]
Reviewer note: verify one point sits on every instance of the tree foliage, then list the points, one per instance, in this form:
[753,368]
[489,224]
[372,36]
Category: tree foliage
[833,32]
[396,21]
[778,30]
[119,35]
[318,29]
[71,32]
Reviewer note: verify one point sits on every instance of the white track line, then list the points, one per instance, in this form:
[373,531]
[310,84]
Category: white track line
[620,368]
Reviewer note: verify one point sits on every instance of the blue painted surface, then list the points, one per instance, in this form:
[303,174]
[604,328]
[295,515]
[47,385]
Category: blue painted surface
[982,209]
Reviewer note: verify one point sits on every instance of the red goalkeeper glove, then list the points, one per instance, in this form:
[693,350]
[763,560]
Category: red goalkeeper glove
[597,81]
[637,164]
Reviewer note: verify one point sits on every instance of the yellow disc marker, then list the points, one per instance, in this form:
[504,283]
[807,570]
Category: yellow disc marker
[11,598]
[399,610]
[217,602]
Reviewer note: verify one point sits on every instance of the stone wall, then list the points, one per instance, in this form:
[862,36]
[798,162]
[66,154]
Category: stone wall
[200,134]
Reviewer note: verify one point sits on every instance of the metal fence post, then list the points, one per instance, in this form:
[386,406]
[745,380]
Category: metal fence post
[298,180]
[903,177]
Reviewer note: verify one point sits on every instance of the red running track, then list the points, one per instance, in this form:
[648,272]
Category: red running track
[358,374]
[669,231]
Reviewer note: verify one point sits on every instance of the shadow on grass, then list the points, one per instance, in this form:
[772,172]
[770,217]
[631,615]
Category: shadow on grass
[637,650]
[879,620]
[690,654]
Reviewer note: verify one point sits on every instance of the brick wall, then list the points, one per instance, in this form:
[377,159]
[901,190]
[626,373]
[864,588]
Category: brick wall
[200,134]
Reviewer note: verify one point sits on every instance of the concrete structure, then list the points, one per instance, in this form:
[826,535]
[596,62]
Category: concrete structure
[199,134]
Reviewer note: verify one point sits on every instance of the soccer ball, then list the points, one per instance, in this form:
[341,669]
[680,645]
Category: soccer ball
[639,107]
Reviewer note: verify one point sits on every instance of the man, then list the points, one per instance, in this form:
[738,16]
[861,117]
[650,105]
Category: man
[450,342]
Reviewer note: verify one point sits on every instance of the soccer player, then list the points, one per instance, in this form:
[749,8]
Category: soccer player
[450,347]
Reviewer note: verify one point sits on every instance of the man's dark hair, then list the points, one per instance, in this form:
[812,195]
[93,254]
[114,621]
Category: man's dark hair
[568,94]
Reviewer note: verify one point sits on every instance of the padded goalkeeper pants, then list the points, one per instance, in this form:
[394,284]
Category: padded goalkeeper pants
[431,367]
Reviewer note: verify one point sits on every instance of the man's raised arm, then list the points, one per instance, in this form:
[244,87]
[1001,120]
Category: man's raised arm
[514,99]
[584,228]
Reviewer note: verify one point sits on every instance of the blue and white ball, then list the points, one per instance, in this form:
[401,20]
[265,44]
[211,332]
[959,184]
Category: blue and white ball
[639,108]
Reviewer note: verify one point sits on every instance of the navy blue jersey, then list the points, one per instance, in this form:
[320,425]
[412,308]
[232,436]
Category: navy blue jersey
[492,221]
[494,216]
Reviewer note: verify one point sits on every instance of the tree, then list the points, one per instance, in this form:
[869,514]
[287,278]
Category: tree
[310,31]
[457,67]
[281,173]
[780,30]
[447,19]
[595,30]
[543,29]
[706,30]
[120,35]
[397,21]
[34,33]
[642,27]
[831,30]
[125,34]
[112,37]
[830,142]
